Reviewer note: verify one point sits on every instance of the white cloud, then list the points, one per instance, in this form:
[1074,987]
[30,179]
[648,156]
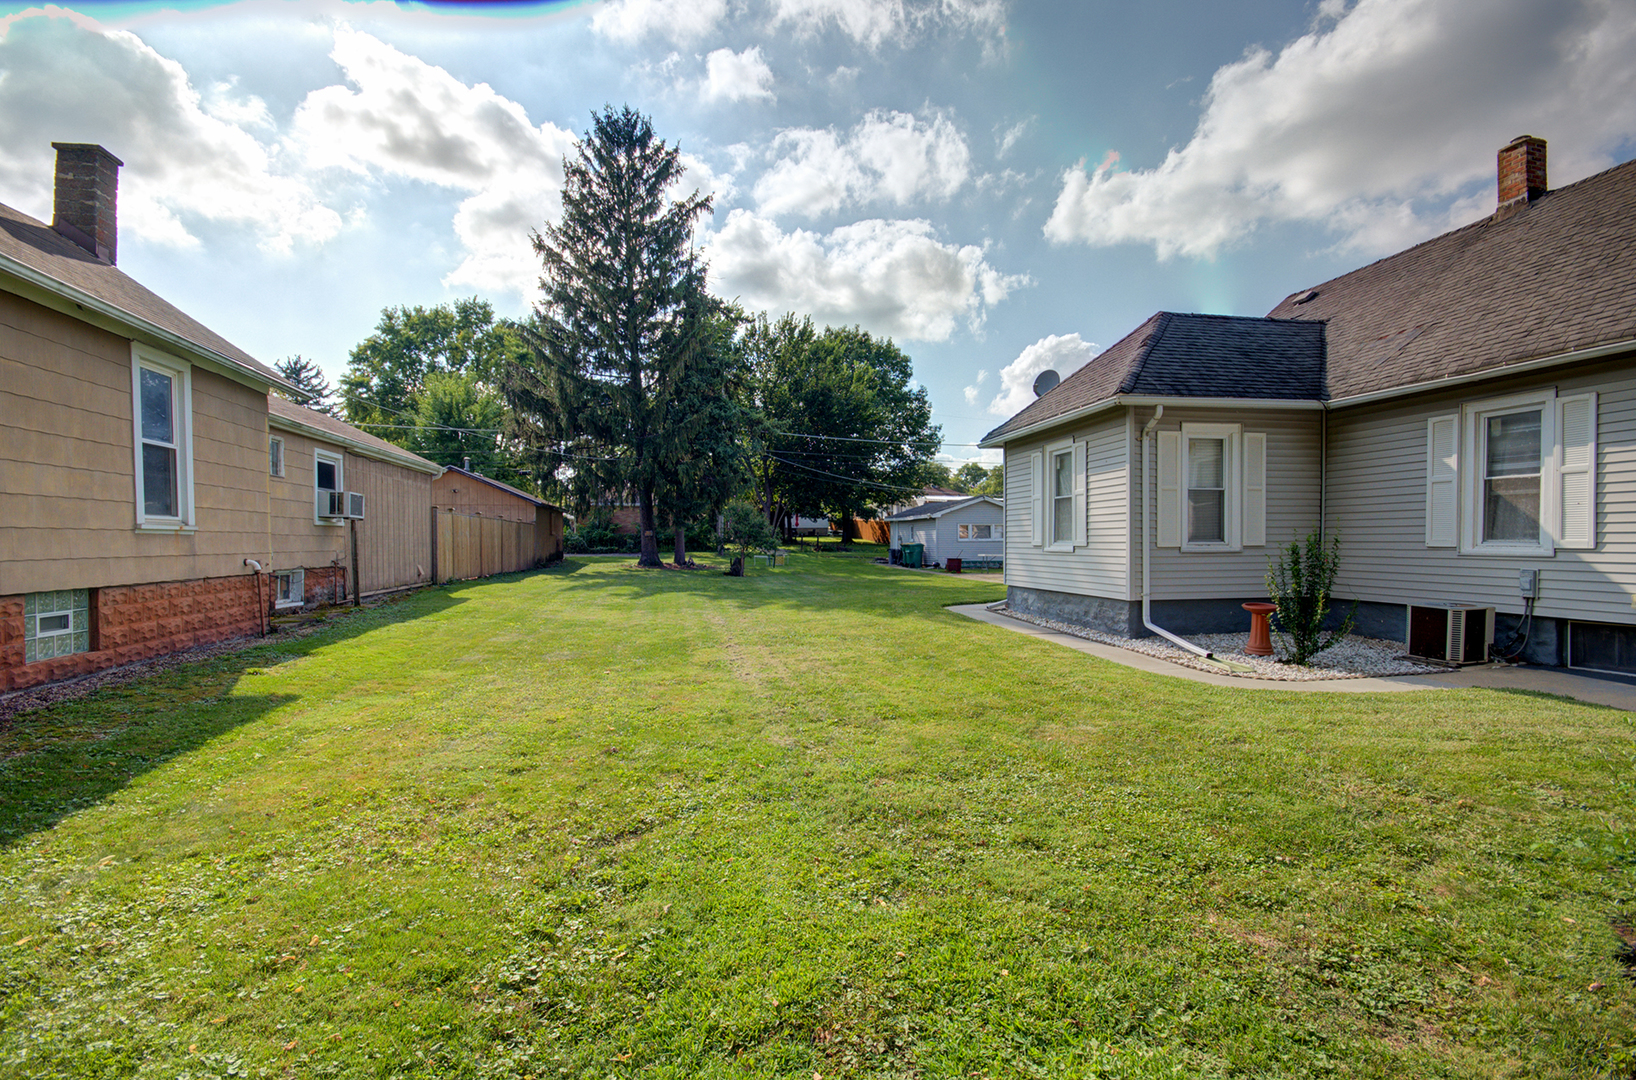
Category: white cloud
[66,77]
[682,22]
[975,390]
[731,76]
[1374,124]
[403,117]
[1062,353]
[888,157]
[1005,140]
[701,177]
[891,277]
[876,22]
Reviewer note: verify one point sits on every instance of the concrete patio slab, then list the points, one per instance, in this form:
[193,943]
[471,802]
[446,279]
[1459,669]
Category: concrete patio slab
[1612,691]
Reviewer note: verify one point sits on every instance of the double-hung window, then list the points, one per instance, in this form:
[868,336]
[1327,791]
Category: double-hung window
[1057,496]
[1211,487]
[161,410]
[1514,475]
[326,481]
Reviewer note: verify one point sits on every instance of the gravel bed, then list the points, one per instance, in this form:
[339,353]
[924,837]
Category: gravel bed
[1353,657]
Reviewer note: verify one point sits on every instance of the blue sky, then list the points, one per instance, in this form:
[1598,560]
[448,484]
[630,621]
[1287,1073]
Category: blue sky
[1000,186]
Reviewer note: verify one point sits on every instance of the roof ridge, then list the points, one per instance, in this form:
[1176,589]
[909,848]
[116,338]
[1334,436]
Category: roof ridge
[1134,373]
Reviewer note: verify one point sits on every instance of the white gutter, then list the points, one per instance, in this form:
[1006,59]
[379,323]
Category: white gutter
[1523,367]
[1143,400]
[1147,548]
[85,300]
[373,452]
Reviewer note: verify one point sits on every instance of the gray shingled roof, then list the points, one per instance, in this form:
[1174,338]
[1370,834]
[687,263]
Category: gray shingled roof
[42,249]
[937,508]
[345,434]
[1177,355]
[1554,277]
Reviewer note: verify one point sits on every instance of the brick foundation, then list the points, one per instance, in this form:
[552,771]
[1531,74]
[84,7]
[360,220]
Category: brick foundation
[324,585]
[136,622]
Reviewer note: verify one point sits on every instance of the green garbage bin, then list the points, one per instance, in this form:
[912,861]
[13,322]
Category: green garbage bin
[914,555]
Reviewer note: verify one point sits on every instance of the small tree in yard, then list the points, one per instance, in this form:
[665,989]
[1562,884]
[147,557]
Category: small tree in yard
[1299,582]
[748,531]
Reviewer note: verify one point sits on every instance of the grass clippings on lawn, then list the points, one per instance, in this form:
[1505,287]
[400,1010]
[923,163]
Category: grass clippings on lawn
[596,822]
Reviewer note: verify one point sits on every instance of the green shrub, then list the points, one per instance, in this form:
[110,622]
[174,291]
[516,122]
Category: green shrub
[1299,581]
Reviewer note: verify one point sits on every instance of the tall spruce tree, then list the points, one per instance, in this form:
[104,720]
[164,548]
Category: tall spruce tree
[316,392]
[623,316]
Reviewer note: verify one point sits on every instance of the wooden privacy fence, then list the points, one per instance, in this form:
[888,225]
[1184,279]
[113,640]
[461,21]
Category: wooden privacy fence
[470,546]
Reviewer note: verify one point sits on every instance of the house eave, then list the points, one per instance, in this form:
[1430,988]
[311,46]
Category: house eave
[60,296]
[1140,400]
[1521,368]
[284,423]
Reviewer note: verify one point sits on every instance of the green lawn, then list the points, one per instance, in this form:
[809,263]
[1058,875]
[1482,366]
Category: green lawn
[595,821]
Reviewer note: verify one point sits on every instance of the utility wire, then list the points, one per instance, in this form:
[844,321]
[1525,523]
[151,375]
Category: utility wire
[848,479]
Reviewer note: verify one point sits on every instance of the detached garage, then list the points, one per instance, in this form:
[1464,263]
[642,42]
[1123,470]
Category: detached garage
[972,530]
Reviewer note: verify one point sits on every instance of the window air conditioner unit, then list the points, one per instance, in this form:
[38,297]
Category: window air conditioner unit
[1450,633]
[355,505]
[331,504]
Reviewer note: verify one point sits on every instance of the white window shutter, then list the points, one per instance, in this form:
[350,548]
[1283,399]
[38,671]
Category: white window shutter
[1255,489]
[1079,494]
[1170,489]
[1036,498]
[1576,470]
[1442,472]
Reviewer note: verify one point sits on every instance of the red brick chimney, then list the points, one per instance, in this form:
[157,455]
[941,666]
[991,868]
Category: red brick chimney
[1522,174]
[83,206]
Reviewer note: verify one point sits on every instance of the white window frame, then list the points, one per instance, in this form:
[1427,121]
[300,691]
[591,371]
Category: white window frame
[275,456]
[297,582]
[339,461]
[181,375]
[1232,476]
[1053,542]
[1474,454]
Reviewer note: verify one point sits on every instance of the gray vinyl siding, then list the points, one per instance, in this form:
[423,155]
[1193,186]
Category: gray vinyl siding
[949,544]
[1293,440]
[1377,506]
[1101,567]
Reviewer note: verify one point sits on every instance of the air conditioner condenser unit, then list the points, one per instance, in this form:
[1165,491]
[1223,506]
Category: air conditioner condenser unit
[1451,633]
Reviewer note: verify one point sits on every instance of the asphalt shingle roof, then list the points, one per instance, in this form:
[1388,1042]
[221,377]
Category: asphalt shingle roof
[936,508]
[1556,276]
[1183,355]
[281,409]
[41,248]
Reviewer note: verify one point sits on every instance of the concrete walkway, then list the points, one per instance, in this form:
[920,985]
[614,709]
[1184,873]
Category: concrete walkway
[1612,691]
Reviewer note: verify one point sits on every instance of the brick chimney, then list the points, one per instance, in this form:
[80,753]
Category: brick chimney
[1522,174]
[83,205]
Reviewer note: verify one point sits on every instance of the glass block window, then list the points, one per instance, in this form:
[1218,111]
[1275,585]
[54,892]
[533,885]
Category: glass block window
[289,588]
[56,624]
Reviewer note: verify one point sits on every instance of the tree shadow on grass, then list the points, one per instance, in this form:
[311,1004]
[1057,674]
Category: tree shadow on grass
[70,756]
[807,583]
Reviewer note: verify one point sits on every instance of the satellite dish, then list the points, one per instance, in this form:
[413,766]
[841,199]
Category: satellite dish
[1045,382]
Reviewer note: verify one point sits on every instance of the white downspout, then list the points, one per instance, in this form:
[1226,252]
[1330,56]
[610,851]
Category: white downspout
[1147,549]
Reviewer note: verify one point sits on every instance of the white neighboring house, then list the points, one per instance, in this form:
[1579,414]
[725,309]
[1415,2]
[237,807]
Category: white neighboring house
[968,528]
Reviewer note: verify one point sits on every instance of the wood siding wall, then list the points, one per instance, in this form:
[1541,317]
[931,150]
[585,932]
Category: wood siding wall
[1377,506]
[452,491]
[469,546]
[67,472]
[297,540]
[1293,443]
[1100,568]
[395,536]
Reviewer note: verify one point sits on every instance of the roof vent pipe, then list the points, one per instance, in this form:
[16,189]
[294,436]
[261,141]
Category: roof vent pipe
[1147,548]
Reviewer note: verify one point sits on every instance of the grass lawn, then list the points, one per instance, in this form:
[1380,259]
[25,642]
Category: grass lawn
[595,821]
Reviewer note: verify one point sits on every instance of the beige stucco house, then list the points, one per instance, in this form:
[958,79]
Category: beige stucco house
[147,485]
[1457,414]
